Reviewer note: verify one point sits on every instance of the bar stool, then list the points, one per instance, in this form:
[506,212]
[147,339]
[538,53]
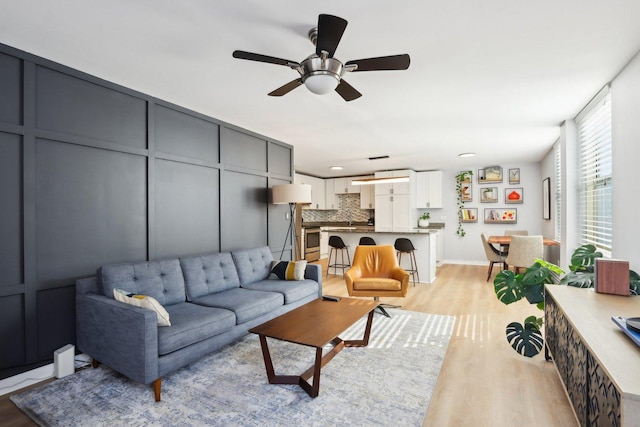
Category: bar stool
[337,245]
[367,241]
[405,246]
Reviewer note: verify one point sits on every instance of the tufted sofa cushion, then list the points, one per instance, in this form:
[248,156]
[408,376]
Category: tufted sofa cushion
[207,274]
[161,280]
[252,264]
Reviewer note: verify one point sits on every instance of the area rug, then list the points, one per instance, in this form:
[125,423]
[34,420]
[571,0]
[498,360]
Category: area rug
[389,382]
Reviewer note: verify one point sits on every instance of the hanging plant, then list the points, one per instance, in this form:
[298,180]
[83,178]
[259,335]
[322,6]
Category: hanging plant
[463,176]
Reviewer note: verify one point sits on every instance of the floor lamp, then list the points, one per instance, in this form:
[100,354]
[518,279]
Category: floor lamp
[291,194]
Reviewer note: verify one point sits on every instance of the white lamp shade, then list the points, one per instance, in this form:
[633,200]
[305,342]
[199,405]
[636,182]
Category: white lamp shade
[321,84]
[291,193]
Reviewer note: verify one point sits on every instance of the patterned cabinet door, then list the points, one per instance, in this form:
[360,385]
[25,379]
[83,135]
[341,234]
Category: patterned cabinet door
[604,398]
[577,374]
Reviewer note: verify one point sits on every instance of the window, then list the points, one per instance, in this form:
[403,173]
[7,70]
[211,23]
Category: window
[557,157]
[594,173]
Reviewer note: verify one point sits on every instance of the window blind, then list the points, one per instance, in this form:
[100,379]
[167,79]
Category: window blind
[594,173]
[557,156]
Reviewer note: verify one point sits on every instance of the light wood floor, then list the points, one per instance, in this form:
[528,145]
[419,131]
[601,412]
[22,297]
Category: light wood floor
[483,382]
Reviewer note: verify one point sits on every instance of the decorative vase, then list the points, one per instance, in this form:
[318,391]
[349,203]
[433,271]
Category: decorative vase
[423,223]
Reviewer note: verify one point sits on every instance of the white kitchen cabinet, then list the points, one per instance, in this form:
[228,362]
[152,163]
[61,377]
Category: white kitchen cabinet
[429,189]
[317,190]
[384,213]
[397,187]
[317,193]
[343,186]
[331,197]
[396,203]
[367,195]
[395,212]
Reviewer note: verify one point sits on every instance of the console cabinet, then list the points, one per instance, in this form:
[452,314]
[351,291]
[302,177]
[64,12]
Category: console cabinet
[597,363]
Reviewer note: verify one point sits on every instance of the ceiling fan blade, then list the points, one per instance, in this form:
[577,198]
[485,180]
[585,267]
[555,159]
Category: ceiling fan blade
[346,91]
[241,54]
[393,62]
[330,30]
[285,89]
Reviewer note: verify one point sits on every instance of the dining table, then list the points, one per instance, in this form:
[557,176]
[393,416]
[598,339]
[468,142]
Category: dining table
[506,240]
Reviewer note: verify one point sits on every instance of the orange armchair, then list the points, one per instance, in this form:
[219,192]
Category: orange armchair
[375,273]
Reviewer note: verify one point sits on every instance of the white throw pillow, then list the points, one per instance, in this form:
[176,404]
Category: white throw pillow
[143,301]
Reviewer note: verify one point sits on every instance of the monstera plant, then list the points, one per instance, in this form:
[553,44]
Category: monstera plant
[526,338]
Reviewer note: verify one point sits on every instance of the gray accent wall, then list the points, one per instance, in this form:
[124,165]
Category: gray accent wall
[93,173]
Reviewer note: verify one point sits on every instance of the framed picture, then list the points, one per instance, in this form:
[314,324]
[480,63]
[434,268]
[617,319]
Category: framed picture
[490,175]
[514,176]
[546,198]
[467,191]
[500,216]
[513,195]
[489,195]
[469,215]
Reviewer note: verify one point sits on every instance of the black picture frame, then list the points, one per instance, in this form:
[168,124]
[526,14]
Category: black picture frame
[546,198]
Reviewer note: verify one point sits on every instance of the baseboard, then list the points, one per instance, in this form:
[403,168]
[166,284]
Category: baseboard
[465,262]
[34,376]
[25,379]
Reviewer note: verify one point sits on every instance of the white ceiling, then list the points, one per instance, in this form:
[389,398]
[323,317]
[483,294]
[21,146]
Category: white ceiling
[496,77]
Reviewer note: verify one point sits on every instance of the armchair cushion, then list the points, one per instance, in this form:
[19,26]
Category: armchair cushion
[371,283]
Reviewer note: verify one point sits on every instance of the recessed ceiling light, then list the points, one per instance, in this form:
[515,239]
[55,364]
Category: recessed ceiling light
[466,154]
[336,168]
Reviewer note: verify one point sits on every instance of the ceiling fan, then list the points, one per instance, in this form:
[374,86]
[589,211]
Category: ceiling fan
[321,72]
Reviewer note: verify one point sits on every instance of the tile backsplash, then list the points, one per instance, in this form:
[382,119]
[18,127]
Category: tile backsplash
[349,210]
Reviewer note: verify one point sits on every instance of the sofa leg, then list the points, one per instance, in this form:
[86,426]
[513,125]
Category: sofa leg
[157,387]
[94,363]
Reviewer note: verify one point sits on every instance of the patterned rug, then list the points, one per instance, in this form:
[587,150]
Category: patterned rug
[390,382]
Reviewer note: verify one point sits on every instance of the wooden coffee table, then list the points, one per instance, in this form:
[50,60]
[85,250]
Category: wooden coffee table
[315,324]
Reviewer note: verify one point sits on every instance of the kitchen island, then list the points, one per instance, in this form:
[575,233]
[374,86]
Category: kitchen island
[423,239]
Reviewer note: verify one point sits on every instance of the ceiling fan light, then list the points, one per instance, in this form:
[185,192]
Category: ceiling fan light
[322,83]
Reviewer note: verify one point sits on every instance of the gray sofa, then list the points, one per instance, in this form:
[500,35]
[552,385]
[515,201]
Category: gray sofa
[212,300]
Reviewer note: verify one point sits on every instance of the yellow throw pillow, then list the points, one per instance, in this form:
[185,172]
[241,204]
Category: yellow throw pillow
[143,301]
[288,270]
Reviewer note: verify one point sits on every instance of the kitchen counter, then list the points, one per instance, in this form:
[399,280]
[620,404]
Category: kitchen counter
[363,227]
[423,239]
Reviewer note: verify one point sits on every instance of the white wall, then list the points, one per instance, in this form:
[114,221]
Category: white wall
[468,249]
[625,99]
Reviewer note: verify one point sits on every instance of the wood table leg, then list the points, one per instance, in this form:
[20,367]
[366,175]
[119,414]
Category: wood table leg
[365,339]
[302,380]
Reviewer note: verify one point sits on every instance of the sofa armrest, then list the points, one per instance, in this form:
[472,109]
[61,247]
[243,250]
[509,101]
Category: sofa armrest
[121,336]
[314,272]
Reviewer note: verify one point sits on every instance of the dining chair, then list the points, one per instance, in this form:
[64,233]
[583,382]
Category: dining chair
[524,250]
[493,255]
[505,248]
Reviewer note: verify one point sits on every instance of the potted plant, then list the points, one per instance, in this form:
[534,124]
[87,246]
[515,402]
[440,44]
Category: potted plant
[423,221]
[509,287]
[463,176]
